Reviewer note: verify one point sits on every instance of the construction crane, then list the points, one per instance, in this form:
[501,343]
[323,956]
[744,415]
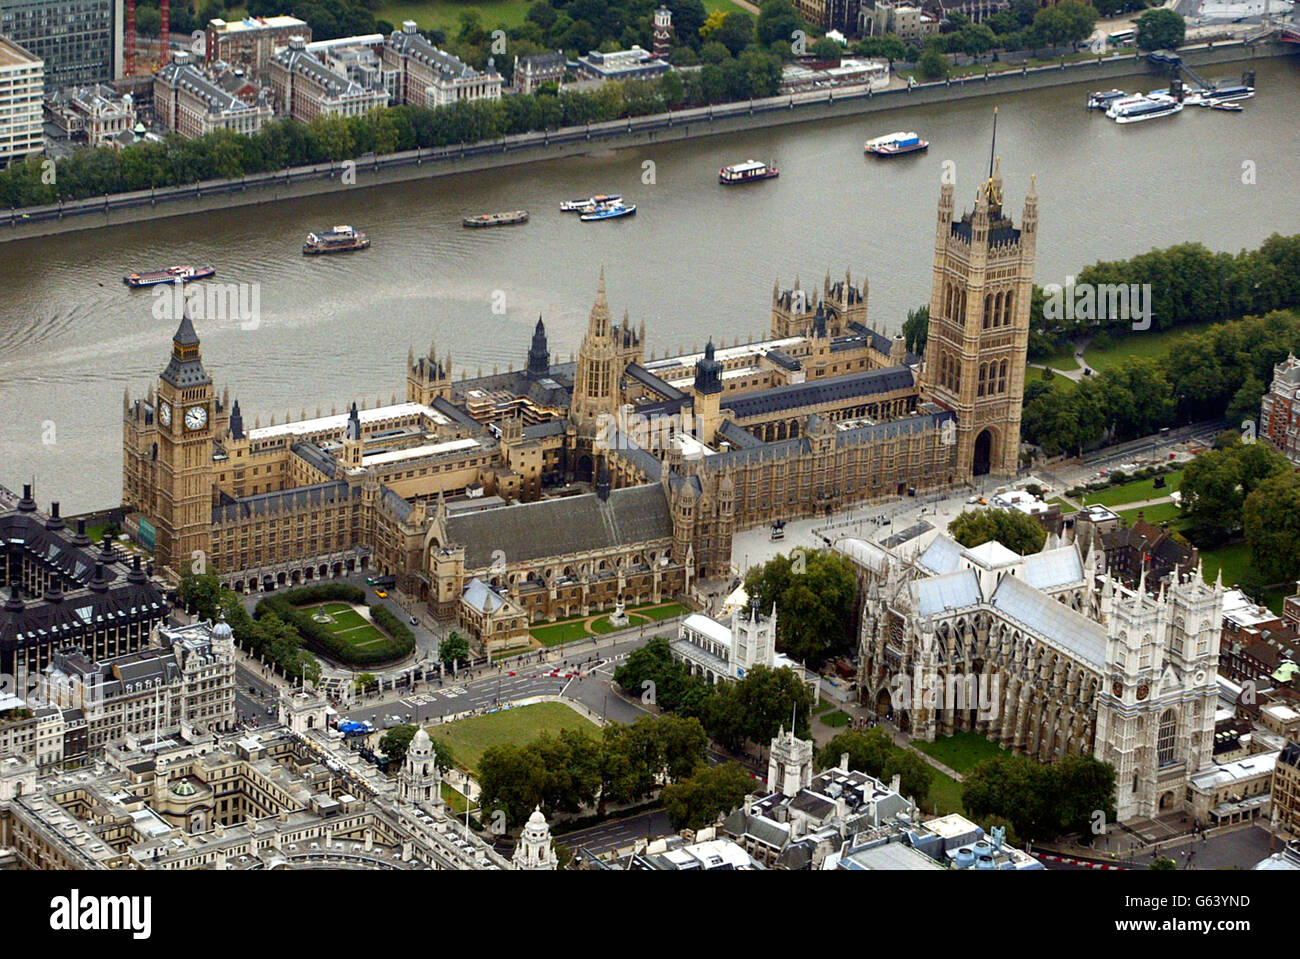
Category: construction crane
[164,32]
[129,68]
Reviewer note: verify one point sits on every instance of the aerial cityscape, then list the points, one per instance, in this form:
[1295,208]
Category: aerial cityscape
[906,481]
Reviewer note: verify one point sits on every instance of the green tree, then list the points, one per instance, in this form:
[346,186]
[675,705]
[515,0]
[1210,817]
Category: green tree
[711,792]
[735,32]
[1017,531]
[200,592]
[1160,29]
[1216,484]
[814,594]
[453,649]
[934,63]
[916,328]
[1271,522]
[363,681]
[1162,864]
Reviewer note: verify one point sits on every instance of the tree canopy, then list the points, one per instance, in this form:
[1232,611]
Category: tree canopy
[814,594]
[1017,531]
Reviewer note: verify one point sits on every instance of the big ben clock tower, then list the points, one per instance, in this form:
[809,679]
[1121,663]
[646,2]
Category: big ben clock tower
[185,437]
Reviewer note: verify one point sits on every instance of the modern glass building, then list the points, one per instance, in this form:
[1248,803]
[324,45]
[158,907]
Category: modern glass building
[79,40]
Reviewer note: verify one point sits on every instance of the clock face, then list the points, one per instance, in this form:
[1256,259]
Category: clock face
[165,413]
[196,417]
[1143,690]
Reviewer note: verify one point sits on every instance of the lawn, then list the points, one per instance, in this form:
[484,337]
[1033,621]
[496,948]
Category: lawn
[1059,361]
[469,738]
[1133,492]
[961,751]
[1155,515]
[1150,344]
[446,16]
[349,625]
[575,628]
[945,795]
[836,719]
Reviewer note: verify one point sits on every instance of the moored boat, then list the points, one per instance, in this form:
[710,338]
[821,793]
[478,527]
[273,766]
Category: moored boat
[578,206]
[1227,107]
[1101,99]
[1225,94]
[896,144]
[496,219]
[172,274]
[747,172]
[340,239]
[610,211]
[1138,109]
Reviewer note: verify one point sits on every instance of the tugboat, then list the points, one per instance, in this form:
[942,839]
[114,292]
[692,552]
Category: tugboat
[747,172]
[896,144]
[171,274]
[1104,98]
[609,211]
[338,240]
[579,206]
[496,219]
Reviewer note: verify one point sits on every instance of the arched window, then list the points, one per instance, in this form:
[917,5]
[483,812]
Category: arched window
[983,376]
[1006,307]
[1002,377]
[1165,741]
[988,310]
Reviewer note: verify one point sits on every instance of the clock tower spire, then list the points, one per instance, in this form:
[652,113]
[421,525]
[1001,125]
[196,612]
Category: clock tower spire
[185,448]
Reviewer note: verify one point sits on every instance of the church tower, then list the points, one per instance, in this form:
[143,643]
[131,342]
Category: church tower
[789,764]
[979,323]
[185,446]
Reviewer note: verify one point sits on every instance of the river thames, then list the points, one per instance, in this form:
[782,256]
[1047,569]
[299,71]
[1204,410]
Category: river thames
[697,259]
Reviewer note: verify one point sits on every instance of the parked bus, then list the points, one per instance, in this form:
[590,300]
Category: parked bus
[1122,38]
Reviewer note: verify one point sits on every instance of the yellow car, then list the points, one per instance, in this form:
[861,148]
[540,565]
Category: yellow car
[381,594]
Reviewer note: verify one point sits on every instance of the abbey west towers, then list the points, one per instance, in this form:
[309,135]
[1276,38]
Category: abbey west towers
[979,324]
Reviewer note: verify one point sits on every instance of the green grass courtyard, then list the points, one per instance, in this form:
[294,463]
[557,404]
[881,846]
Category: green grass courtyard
[961,752]
[470,738]
[347,624]
[597,624]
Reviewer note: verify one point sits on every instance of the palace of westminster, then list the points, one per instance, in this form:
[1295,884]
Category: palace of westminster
[532,483]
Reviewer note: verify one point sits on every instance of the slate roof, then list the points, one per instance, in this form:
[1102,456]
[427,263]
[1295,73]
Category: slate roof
[647,379]
[559,527]
[1053,568]
[831,390]
[737,436]
[98,590]
[318,494]
[950,591]
[1053,620]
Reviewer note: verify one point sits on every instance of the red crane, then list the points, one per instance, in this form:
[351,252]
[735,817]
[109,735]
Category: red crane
[164,32]
[128,69]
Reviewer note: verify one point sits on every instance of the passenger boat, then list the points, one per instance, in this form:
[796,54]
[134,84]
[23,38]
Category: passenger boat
[1227,107]
[1143,108]
[1227,94]
[578,206]
[496,219]
[896,144]
[171,274]
[340,239]
[747,172]
[610,211]
[1101,99]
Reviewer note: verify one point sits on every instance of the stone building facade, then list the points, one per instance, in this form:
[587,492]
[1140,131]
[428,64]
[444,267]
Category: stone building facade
[569,485]
[1045,655]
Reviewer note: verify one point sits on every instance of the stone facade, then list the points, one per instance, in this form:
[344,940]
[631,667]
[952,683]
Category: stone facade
[1045,655]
